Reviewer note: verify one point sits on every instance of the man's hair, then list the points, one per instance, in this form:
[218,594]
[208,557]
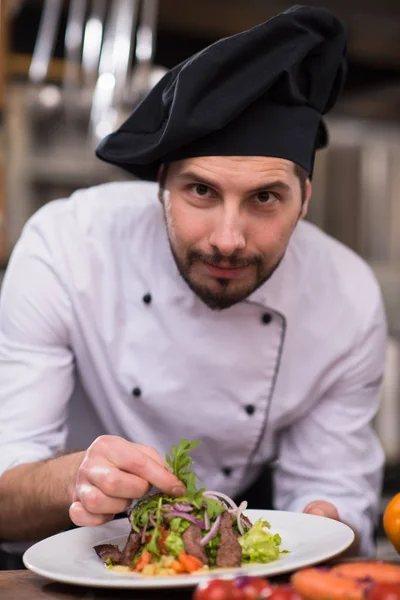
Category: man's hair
[300,172]
[163,176]
[303,176]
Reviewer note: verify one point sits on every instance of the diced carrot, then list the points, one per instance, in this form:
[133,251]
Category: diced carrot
[190,563]
[144,559]
[178,567]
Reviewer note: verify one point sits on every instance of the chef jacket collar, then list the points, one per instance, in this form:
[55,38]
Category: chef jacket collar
[275,293]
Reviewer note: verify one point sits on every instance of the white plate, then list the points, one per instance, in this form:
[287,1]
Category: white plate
[69,557]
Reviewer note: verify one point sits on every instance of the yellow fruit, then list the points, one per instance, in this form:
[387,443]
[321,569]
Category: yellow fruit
[391,521]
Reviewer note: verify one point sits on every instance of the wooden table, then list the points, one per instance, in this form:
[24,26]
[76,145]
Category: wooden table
[24,585]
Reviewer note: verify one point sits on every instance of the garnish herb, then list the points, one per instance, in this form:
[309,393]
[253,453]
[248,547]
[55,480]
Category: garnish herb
[180,462]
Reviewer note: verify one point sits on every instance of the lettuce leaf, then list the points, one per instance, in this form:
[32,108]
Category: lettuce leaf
[174,544]
[259,545]
[178,525]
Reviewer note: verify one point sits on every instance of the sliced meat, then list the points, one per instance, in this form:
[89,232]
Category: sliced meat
[191,540]
[230,551]
[132,545]
[110,551]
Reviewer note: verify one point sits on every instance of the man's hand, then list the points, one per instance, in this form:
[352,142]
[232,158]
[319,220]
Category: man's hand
[112,473]
[322,508]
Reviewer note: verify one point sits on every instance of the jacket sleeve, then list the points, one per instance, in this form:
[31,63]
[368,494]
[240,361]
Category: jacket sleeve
[36,364]
[332,453]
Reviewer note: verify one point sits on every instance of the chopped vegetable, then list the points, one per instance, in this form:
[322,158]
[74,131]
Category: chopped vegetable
[174,544]
[178,567]
[144,560]
[212,533]
[189,562]
[259,545]
[152,544]
[178,525]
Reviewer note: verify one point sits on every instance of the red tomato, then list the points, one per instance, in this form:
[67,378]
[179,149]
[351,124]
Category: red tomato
[250,588]
[384,591]
[215,589]
[284,592]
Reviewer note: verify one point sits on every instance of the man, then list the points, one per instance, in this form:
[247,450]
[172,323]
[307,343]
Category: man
[202,307]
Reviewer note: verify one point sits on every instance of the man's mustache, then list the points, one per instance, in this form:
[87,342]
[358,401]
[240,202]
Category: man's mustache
[216,258]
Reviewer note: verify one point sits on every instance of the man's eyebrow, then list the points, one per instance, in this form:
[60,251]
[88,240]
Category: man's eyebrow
[192,176]
[268,185]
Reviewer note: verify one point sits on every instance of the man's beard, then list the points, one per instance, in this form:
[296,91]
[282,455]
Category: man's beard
[222,297]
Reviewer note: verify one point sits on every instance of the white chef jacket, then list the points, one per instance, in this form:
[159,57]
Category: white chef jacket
[92,288]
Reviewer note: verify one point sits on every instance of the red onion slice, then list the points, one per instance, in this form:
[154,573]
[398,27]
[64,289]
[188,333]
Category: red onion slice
[220,496]
[206,520]
[213,531]
[183,515]
[143,538]
[246,522]
[242,506]
[184,507]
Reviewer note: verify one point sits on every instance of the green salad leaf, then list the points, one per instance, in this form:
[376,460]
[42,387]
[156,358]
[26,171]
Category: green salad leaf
[212,548]
[141,511]
[259,545]
[174,544]
[152,546]
[181,463]
[179,525]
[214,507]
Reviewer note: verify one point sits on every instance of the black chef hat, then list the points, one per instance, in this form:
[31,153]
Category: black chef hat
[258,93]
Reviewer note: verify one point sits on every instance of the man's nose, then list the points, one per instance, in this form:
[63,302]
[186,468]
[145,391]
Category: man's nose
[227,235]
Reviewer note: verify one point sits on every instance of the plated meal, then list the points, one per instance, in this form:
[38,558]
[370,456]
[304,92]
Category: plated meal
[183,542]
[202,531]
[68,557]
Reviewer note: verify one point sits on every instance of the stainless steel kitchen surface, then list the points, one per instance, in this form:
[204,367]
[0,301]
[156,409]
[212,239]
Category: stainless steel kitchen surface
[52,124]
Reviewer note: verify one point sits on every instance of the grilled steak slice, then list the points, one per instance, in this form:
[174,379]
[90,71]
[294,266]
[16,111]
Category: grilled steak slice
[109,551]
[191,540]
[132,545]
[230,551]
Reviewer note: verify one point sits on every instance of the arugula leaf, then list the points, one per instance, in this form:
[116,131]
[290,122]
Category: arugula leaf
[181,464]
[214,507]
[141,511]
[152,545]
[212,548]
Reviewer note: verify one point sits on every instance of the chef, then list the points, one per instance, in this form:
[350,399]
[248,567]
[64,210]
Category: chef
[198,303]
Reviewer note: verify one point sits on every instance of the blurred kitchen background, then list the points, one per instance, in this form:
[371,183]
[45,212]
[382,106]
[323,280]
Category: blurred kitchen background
[71,70]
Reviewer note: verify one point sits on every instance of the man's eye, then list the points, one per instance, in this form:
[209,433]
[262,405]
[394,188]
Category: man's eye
[201,189]
[266,197]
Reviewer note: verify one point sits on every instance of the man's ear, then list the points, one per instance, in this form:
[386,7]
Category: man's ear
[307,196]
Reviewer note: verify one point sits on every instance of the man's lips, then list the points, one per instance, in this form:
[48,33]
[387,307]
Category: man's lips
[225,272]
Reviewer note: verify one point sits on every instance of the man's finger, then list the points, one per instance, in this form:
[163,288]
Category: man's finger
[322,508]
[116,483]
[130,458]
[96,502]
[81,517]
[152,452]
